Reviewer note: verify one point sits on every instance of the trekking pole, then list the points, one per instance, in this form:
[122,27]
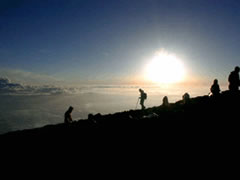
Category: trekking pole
[137,103]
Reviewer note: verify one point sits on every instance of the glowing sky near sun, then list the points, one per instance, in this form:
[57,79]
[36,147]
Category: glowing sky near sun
[165,68]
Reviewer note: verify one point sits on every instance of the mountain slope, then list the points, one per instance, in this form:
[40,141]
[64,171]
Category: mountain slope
[198,114]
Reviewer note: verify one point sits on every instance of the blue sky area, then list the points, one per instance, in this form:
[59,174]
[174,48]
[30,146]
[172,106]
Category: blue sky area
[113,39]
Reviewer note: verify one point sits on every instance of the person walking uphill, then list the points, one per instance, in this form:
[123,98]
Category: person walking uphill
[233,80]
[68,116]
[143,97]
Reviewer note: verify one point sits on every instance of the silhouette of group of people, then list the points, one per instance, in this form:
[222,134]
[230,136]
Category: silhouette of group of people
[233,79]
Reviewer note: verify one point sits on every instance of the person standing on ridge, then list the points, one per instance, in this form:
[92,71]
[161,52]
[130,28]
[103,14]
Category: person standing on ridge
[233,80]
[215,89]
[143,97]
[186,98]
[165,101]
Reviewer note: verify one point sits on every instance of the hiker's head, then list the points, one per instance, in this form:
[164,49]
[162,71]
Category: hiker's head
[237,69]
[215,81]
[140,90]
[70,109]
[186,95]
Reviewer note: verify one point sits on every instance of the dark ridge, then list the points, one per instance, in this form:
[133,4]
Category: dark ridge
[198,115]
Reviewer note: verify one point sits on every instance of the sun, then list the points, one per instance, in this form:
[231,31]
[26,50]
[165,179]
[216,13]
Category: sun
[165,68]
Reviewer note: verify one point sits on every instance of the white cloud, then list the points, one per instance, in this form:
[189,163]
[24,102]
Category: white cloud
[9,88]
[31,78]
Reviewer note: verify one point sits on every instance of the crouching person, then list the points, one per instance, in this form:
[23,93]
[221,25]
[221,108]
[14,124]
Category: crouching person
[68,115]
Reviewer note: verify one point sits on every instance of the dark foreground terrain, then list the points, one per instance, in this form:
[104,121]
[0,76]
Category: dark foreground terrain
[200,115]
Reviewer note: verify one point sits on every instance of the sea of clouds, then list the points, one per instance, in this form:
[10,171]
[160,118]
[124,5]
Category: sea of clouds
[30,106]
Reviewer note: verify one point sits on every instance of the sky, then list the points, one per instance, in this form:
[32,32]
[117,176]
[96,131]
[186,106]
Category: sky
[111,41]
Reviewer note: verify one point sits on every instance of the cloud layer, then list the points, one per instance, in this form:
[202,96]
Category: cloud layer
[27,106]
[31,78]
[9,88]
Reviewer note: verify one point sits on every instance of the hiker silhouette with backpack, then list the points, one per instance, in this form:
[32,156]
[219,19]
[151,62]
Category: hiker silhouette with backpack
[233,80]
[143,97]
[215,89]
[68,116]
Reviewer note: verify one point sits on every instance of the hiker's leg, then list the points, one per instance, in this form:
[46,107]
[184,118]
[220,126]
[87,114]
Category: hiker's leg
[141,103]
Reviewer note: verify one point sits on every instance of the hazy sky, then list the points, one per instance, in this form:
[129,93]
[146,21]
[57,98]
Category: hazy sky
[80,40]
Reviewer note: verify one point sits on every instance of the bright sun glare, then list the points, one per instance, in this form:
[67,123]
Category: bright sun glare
[165,68]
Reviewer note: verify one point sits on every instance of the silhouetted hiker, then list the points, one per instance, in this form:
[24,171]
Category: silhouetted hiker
[68,116]
[233,80]
[186,98]
[165,101]
[143,97]
[215,89]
